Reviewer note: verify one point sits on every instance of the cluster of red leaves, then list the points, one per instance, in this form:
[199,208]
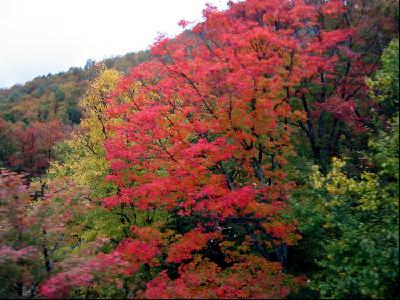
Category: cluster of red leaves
[88,269]
[253,278]
[9,254]
[17,254]
[101,268]
[137,253]
[15,198]
[190,242]
[34,145]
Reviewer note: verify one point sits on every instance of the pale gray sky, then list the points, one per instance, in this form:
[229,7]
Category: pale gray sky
[38,37]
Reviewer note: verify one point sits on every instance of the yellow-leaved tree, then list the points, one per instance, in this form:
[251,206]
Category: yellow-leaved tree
[82,157]
[81,163]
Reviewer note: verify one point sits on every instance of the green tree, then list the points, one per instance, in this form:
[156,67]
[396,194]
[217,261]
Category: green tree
[384,86]
[349,220]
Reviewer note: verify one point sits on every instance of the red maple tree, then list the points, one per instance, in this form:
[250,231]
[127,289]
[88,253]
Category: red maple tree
[203,133]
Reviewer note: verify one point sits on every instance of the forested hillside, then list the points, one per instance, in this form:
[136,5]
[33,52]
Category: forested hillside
[255,155]
[47,104]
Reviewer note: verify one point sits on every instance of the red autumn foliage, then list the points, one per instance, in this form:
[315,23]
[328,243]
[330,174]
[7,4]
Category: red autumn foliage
[18,255]
[34,145]
[203,136]
[191,241]
[251,278]
[206,133]
[85,274]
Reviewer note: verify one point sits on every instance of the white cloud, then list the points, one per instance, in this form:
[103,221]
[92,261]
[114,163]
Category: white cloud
[38,37]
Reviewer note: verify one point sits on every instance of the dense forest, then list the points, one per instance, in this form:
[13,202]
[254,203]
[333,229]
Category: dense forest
[255,155]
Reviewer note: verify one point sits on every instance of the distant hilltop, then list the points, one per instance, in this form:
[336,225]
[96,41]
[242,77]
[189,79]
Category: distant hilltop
[56,96]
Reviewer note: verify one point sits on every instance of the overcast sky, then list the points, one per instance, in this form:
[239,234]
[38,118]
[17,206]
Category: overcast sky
[38,37]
